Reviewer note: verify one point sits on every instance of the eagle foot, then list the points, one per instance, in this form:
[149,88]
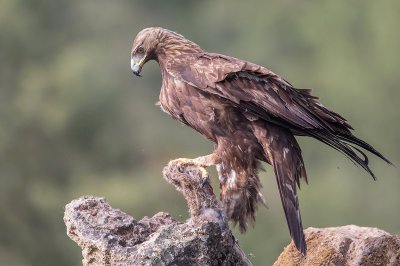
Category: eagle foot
[182,163]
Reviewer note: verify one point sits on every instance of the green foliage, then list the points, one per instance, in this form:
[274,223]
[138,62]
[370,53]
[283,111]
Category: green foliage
[74,120]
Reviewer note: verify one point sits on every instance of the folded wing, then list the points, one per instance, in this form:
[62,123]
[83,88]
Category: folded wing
[265,95]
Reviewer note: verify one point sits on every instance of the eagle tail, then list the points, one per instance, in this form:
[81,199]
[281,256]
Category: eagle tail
[289,168]
[284,154]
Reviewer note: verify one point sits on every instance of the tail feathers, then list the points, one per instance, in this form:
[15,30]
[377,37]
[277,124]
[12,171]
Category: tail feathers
[284,154]
[288,192]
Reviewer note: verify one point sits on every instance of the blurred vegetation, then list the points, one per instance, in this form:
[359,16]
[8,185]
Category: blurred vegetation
[74,121]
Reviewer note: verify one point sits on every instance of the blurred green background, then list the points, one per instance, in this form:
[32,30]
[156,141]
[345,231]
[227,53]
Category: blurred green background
[75,121]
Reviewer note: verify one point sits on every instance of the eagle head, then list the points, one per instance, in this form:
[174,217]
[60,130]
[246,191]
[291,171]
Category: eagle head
[158,44]
[144,48]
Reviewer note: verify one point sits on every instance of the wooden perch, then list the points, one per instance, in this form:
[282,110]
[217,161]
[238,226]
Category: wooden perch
[109,236]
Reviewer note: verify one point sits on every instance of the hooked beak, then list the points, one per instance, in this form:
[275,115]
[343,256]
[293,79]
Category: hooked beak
[136,65]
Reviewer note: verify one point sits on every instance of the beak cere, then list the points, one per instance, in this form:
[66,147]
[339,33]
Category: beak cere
[136,66]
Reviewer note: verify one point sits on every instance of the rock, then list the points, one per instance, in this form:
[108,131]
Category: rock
[109,236]
[346,245]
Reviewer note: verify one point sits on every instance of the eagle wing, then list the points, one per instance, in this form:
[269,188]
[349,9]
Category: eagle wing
[263,94]
[255,89]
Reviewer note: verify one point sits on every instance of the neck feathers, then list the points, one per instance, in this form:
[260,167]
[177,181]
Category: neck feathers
[171,44]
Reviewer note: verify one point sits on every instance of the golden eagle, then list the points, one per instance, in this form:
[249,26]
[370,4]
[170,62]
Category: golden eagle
[251,115]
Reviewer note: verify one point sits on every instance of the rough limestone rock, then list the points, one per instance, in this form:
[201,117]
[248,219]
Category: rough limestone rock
[109,236]
[347,245]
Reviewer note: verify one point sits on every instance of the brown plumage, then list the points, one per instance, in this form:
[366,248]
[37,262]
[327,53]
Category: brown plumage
[251,114]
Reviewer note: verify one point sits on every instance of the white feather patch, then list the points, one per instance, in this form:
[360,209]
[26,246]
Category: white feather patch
[232,179]
[219,168]
[285,152]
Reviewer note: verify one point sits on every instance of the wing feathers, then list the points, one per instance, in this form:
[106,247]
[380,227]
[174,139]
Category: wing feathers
[256,90]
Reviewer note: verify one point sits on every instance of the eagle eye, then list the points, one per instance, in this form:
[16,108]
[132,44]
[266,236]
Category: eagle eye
[140,50]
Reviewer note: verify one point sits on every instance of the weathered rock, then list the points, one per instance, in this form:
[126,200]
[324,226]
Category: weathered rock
[346,245]
[109,236]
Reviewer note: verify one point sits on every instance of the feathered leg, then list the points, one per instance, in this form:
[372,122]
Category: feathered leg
[239,182]
[240,194]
